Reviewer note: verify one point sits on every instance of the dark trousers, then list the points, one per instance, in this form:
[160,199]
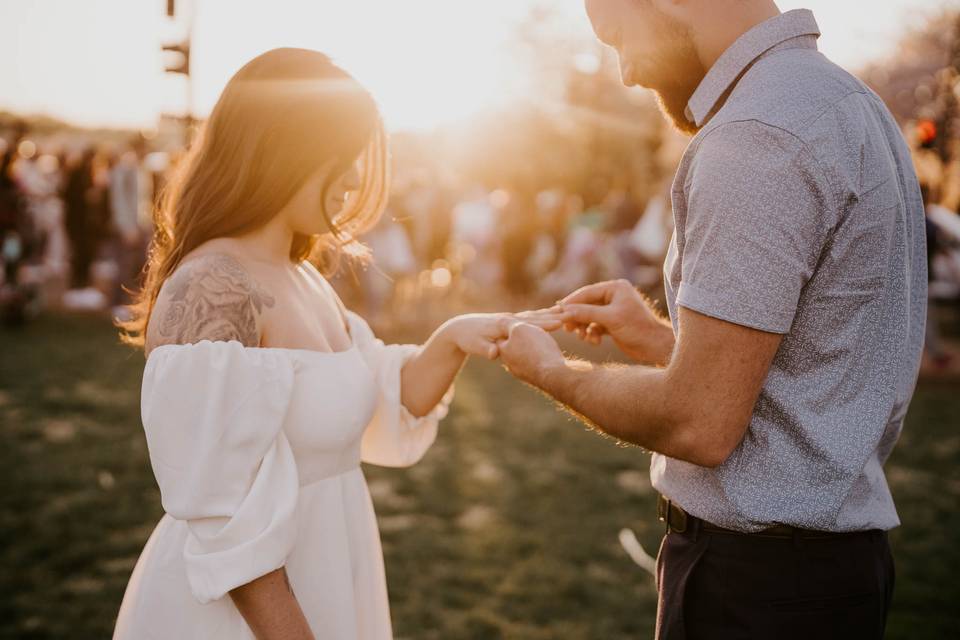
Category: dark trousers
[719,586]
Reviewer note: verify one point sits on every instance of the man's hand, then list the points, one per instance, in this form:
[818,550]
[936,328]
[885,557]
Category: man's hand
[696,409]
[617,308]
[529,352]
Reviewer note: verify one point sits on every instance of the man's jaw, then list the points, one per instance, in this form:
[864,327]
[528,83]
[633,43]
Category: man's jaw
[673,104]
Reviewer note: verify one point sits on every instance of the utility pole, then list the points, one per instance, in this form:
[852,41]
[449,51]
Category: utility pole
[948,128]
[180,64]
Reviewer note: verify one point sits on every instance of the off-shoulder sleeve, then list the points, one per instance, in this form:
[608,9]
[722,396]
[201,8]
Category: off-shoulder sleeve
[213,414]
[395,437]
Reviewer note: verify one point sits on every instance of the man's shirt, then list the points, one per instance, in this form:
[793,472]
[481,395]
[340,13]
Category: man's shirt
[798,212]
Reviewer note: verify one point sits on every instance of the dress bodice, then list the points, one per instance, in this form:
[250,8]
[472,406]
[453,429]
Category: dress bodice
[235,433]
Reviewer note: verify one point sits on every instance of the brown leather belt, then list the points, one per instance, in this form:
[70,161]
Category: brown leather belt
[676,519]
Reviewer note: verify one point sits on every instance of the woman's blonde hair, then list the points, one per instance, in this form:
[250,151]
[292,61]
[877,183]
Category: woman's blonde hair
[280,118]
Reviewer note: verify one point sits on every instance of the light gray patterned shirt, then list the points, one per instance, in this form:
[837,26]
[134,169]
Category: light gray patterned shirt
[798,212]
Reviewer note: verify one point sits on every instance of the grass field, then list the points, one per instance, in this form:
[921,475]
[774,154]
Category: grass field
[508,528]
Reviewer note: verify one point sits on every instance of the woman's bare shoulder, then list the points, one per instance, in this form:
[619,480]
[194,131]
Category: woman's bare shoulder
[210,296]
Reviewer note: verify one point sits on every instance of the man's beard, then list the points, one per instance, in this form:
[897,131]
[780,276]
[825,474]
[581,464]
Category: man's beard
[678,74]
[673,103]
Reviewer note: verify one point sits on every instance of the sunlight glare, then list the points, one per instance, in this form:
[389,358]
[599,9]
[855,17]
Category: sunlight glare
[424,75]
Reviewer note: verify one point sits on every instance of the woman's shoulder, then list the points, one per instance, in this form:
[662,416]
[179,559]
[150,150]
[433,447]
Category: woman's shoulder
[211,295]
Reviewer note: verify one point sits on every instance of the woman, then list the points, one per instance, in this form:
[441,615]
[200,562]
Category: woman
[261,394]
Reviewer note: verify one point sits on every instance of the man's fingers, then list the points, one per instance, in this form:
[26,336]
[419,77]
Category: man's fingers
[571,327]
[595,329]
[598,293]
[595,333]
[585,314]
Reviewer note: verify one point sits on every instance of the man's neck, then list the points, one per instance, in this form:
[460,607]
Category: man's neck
[722,24]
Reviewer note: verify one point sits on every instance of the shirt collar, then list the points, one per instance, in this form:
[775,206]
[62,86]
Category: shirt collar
[744,52]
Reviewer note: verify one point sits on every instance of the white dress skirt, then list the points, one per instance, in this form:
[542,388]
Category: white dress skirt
[257,454]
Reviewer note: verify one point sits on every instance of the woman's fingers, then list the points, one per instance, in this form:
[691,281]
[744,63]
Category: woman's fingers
[543,318]
[539,312]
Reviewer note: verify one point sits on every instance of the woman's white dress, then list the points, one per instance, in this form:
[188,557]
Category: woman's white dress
[257,453]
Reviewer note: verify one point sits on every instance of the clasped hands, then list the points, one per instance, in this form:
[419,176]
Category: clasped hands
[523,343]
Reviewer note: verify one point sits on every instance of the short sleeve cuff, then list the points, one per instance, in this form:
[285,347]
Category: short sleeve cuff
[730,307]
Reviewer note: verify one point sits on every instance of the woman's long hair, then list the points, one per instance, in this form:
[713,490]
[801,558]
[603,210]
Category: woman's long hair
[280,118]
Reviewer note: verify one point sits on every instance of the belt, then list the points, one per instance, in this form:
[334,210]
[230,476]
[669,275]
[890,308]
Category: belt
[678,520]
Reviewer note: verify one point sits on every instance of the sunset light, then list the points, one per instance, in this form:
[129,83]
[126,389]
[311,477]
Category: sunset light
[451,319]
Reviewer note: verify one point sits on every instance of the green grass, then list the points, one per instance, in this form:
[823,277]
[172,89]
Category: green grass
[507,529]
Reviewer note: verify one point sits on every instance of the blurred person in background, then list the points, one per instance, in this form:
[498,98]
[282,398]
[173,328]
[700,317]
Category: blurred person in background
[933,343]
[796,283]
[81,199]
[129,190]
[11,213]
[627,210]
[15,233]
[517,227]
[474,233]
[393,265]
[23,227]
[47,261]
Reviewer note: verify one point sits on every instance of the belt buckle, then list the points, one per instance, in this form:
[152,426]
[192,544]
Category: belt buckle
[663,512]
[673,516]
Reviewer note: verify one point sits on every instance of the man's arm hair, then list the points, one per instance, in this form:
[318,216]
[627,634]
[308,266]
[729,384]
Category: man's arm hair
[696,409]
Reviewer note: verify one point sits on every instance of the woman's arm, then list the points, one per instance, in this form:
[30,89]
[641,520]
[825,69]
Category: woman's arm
[221,283]
[270,608]
[427,376]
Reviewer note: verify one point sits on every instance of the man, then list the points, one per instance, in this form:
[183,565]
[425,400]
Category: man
[796,285]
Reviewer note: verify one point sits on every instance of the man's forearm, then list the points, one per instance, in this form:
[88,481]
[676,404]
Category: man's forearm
[635,404]
[662,343]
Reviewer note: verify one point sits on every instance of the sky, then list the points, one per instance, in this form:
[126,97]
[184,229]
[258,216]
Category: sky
[99,63]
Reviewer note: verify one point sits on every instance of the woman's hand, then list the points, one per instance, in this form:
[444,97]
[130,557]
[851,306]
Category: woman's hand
[477,334]
[617,308]
[427,376]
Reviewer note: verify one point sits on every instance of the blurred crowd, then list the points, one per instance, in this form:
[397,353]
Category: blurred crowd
[76,221]
[75,225]
[513,246]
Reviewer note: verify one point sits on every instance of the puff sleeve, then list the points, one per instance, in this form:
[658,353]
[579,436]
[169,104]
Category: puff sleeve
[213,413]
[394,437]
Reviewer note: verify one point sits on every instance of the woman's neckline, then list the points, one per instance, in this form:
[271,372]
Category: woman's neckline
[316,352]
